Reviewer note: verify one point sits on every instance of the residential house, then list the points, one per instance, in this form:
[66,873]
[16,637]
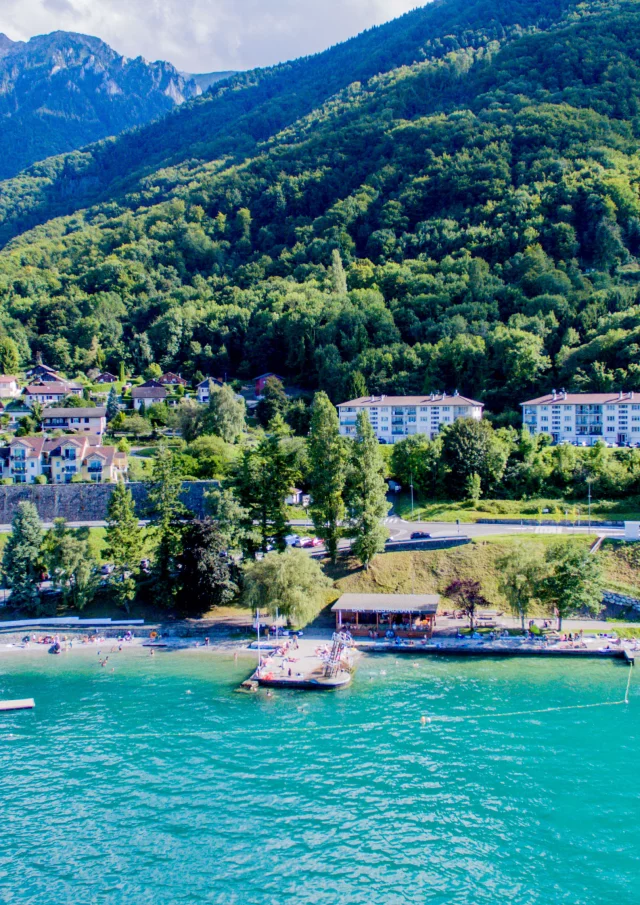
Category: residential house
[584,418]
[81,420]
[152,382]
[50,392]
[172,380]
[43,372]
[395,417]
[105,377]
[294,498]
[9,387]
[259,382]
[147,395]
[60,460]
[203,390]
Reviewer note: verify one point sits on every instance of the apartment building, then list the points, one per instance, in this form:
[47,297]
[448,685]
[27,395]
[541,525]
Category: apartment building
[81,420]
[585,418]
[62,459]
[395,417]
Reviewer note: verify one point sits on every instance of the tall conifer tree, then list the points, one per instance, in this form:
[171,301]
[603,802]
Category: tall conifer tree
[367,493]
[327,468]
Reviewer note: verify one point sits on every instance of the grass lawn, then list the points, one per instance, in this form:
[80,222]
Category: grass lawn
[430,572]
[449,511]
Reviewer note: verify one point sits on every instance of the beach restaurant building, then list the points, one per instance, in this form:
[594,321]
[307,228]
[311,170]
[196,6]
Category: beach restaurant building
[406,615]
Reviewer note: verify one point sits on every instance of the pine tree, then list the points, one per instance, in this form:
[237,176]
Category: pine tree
[264,479]
[112,404]
[70,564]
[338,276]
[167,518]
[367,493]
[125,545]
[207,572]
[327,469]
[22,558]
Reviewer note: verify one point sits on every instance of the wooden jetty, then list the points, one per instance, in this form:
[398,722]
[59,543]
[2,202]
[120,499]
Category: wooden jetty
[25,704]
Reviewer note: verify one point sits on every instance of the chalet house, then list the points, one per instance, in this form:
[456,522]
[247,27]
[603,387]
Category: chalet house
[50,392]
[43,372]
[9,386]
[80,420]
[59,461]
[172,380]
[147,395]
[259,382]
[203,390]
[106,377]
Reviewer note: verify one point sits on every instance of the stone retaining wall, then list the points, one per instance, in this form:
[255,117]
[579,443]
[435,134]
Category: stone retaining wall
[88,502]
[620,601]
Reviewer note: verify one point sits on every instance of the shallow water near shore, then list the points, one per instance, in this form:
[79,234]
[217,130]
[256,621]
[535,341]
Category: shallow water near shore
[158,783]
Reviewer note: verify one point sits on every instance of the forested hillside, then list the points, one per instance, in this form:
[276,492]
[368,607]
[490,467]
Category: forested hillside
[468,219]
[61,91]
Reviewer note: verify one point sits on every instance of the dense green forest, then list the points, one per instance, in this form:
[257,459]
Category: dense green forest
[450,201]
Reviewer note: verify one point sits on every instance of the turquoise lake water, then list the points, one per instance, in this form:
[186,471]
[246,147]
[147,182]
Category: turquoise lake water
[124,787]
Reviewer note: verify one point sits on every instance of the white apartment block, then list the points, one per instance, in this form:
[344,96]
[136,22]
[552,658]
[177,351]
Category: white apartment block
[585,418]
[395,417]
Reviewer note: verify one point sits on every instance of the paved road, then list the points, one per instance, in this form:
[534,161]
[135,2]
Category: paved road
[401,530]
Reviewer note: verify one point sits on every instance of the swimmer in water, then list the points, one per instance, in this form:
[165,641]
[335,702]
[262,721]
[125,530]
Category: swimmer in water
[269,693]
[151,652]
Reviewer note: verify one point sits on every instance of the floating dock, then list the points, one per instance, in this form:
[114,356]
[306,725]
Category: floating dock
[312,666]
[26,704]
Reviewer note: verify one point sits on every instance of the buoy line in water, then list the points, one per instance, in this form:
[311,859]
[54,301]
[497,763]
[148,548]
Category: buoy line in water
[364,727]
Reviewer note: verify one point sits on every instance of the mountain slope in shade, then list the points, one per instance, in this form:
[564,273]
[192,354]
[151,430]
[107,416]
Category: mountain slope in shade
[61,91]
[232,118]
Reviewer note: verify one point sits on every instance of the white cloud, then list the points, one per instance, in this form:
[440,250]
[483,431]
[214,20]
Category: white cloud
[204,35]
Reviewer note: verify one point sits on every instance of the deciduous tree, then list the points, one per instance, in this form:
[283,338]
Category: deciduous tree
[291,582]
[573,582]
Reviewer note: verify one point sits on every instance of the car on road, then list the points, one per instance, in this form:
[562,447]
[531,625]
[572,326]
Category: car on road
[420,535]
[308,542]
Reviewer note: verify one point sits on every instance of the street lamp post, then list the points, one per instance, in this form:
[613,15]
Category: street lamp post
[411,485]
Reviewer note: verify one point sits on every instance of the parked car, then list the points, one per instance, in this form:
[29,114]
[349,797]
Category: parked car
[420,535]
[291,540]
[316,542]
[107,568]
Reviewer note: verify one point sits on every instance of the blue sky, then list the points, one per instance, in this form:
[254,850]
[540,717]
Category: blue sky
[204,35]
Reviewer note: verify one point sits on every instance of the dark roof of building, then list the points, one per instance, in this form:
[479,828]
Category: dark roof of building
[388,603]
